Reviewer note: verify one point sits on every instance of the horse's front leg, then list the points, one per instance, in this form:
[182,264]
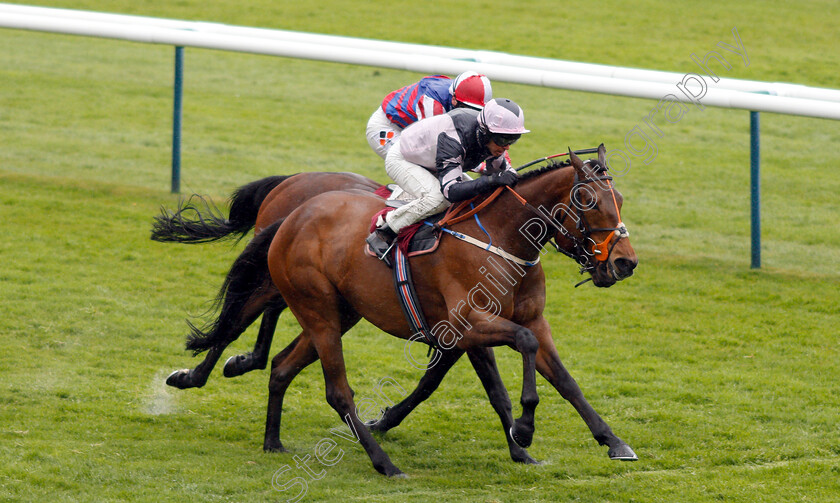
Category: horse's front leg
[550,366]
[505,332]
[484,363]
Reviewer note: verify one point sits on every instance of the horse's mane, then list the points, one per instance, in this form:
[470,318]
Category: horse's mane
[554,165]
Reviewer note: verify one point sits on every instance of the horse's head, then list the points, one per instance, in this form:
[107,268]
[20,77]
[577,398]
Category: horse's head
[600,240]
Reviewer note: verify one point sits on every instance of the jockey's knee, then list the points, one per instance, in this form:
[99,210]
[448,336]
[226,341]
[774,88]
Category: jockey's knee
[434,202]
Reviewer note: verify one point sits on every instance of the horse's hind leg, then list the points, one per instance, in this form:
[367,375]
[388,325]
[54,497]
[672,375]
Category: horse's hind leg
[340,398]
[324,318]
[284,368]
[196,377]
[258,358]
[225,332]
[484,363]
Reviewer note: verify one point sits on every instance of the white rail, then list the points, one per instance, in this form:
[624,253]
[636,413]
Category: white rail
[491,57]
[726,93]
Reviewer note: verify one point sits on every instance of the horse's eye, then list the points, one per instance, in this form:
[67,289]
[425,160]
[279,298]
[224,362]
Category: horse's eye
[589,203]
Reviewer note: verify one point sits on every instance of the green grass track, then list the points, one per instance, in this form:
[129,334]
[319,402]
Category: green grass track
[724,379]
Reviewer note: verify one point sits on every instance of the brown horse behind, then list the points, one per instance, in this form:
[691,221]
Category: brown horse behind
[256,206]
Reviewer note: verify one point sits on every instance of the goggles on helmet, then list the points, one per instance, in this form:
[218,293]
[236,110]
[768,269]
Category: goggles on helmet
[504,140]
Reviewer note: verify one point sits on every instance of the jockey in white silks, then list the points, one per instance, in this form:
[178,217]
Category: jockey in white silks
[431,156]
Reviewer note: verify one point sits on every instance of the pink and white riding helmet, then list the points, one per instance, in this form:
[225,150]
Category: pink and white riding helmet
[502,116]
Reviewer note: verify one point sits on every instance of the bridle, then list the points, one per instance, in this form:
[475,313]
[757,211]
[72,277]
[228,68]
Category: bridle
[587,252]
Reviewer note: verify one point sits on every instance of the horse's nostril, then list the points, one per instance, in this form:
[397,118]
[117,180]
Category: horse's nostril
[625,266]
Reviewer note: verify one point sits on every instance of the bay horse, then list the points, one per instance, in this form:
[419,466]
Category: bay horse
[317,264]
[267,195]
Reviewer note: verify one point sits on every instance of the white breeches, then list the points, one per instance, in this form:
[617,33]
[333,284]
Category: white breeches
[417,181]
[381,133]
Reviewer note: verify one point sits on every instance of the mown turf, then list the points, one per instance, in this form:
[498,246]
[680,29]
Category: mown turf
[722,378]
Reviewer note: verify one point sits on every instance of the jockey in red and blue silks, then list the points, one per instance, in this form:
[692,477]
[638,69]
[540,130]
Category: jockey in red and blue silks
[431,96]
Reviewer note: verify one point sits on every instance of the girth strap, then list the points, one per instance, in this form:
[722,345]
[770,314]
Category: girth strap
[409,302]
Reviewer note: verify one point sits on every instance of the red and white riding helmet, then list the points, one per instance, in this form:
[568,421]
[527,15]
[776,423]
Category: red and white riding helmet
[471,89]
[502,116]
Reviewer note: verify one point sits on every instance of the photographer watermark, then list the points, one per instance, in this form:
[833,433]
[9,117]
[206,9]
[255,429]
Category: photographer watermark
[327,452]
[639,141]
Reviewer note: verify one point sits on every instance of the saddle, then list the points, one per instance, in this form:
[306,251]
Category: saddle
[420,239]
[424,237]
[416,239]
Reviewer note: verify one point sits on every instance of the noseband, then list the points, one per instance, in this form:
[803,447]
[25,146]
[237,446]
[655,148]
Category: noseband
[596,252]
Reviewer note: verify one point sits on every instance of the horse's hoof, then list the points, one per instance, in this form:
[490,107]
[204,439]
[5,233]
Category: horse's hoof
[378,424]
[520,435]
[622,452]
[525,459]
[391,471]
[181,379]
[234,366]
[375,425]
[274,448]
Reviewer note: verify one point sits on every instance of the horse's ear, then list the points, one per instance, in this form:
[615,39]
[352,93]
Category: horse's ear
[602,155]
[574,159]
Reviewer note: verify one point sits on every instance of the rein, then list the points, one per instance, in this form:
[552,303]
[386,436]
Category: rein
[451,216]
[581,251]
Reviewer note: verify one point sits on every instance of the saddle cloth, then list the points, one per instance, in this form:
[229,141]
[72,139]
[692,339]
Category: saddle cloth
[416,239]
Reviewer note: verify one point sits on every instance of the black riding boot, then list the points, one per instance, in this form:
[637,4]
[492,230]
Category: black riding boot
[380,241]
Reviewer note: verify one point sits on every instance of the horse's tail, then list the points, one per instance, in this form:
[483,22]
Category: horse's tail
[198,220]
[248,283]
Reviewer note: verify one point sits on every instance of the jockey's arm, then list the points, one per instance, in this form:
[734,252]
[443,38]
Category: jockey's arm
[428,107]
[457,186]
[450,170]
[482,168]
[455,189]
